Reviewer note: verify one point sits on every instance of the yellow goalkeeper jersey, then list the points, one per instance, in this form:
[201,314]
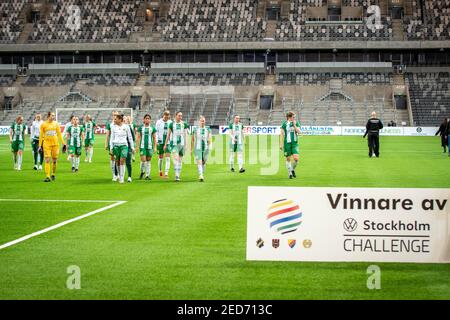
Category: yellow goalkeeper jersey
[50,133]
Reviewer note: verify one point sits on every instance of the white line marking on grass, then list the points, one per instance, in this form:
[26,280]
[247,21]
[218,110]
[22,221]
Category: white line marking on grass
[51,200]
[61,224]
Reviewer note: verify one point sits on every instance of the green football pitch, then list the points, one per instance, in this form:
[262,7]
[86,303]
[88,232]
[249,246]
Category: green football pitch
[187,240]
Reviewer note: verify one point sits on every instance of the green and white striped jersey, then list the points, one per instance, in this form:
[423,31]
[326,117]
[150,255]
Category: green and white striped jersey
[75,136]
[18,131]
[178,130]
[290,136]
[162,128]
[201,137]
[237,132]
[89,129]
[146,134]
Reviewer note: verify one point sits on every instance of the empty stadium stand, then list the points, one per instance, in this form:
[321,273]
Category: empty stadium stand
[225,53]
[430,97]
[206,79]
[6,80]
[101,21]
[219,20]
[10,25]
[206,20]
[429,21]
[340,112]
[44,80]
[299,26]
[310,79]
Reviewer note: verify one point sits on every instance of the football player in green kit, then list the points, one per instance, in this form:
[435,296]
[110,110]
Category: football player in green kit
[146,142]
[17,140]
[237,142]
[89,132]
[201,145]
[162,127]
[176,141]
[75,137]
[290,129]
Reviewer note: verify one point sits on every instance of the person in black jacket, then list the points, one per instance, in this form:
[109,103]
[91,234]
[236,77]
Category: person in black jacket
[373,127]
[443,132]
[448,135]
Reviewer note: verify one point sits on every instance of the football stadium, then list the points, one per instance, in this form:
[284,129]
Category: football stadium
[224,150]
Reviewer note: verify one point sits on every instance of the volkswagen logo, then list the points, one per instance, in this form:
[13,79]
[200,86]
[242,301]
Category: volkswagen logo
[350,225]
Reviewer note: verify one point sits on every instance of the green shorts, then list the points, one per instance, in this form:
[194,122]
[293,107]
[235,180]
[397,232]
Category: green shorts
[88,142]
[201,155]
[291,149]
[120,152]
[146,153]
[161,151]
[16,146]
[76,151]
[178,149]
[236,147]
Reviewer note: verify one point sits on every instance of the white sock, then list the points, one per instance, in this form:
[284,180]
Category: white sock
[77,162]
[121,172]
[148,168]
[231,160]
[200,169]
[19,160]
[160,163]
[288,166]
[91,153]
[180,166]
[143,166]
[72,161]
[167,165]
[240,160]
[113,167]
[204,168]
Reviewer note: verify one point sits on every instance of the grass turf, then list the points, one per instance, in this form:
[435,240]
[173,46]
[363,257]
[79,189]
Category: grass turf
[187,240]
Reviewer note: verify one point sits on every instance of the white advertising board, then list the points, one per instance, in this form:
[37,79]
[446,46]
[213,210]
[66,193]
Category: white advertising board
[348,224]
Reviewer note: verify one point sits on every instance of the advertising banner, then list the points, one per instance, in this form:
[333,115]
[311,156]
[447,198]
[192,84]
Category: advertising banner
[420,131]
[321,131]
[348,224]
[255,130]
[4,130]
[338,131]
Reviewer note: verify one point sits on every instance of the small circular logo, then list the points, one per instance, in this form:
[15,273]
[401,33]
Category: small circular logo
[419,130]
[350,225]
[307,243]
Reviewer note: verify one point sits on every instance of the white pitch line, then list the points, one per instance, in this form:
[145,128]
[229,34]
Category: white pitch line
[59,225]
[50,200]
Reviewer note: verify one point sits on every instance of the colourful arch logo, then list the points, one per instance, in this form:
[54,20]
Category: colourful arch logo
[284,216]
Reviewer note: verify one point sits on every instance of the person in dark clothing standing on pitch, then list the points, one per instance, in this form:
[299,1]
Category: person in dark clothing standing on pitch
[443,132]
[448,136]
[373,127]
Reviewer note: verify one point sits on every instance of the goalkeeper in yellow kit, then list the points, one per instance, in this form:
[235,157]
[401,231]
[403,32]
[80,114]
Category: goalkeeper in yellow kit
[49,137]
